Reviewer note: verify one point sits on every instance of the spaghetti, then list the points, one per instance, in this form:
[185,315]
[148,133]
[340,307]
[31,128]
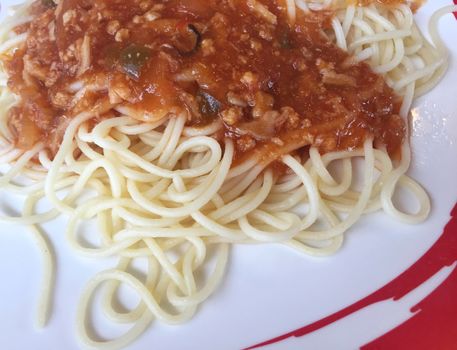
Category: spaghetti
[169,182]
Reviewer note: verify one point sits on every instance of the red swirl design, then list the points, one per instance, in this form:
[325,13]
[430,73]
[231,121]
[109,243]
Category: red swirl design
[434,326]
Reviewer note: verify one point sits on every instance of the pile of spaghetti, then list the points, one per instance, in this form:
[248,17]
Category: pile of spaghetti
[184,126]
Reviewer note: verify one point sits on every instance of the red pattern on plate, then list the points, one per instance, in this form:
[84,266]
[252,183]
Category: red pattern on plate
[435,326]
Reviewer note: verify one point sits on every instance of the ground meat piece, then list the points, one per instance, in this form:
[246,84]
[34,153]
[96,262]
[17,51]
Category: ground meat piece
[60,99]
[277,141]
[220,25]
[112,27]
[325,143]
[245,143]
[208,48]
[68,17]
[191,103]
[25,131]
[250,79]
[262,129]
[34,68]
[122,35]
[232,115]
[263,102]
[266,32]
[331,77]
[288,119]
[262,11]
[236,99]
[145,4]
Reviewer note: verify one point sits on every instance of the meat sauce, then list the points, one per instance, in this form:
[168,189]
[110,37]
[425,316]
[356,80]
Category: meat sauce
[274,87]
[414,4]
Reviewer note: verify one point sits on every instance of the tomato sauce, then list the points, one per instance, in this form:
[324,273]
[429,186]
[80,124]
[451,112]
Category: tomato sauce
[275,86]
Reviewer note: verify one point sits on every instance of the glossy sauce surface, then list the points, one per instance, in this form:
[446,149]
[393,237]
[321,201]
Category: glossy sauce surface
[273,86]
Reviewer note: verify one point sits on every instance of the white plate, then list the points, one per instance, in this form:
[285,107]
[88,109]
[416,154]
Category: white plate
[270,290]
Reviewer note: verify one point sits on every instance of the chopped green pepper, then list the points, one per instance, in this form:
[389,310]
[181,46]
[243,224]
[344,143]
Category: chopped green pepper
[208,104]
[112,53]
[132,58]
[48,3]
[284,41]
[188,40]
